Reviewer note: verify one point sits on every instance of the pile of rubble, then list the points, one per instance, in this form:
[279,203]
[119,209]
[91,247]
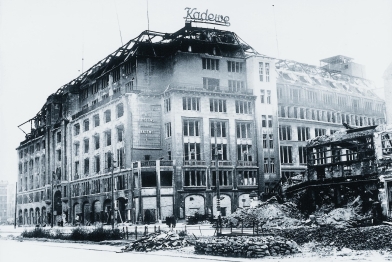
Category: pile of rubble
[361,238]
[246,246]
[157,241]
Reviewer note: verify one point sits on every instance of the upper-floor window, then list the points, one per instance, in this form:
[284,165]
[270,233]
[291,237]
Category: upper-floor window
[86,125]
[86,145]
[268,96]
[236,86]
[94,88]
[168,130]
[210,64]
[120,133]
[267,72]
[108,116]
[319,132]
[243,107]
[355,103]
[302,155]
[76,129]
[120,110]
[303,133]
[220,127]
[167,104]
[191,103]
[210,83]
[244,130]
[76,146]
[108,137]
[327,99]
[236,67]
[58,137]
[265,122]
[285,132]
[286,155]
[96,120]
[261,71]
[217,105]
[96,141]
[191,127]
[311,96]
[295,95]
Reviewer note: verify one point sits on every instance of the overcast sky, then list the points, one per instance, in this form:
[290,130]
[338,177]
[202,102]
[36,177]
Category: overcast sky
[42,43]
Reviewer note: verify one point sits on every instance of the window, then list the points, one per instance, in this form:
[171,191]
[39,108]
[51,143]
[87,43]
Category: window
[194,178]
[269,165]
[303,133]
[94,101]
[86,125]
[108,160]
[243,107]
[120,157]
[76,129]
[311,95]
[355,103]
[58,155]
[264,121]
[220,129]
[38,147]
[166,178]
[295,95]
[108,137]
[210,83]
[96,141]
[267,72]
[225,177]
[94,88]
[97,164]
[107,116]
[96,120]
[268,96]
[217,105]
[262,96]
[86,166]
[319,132]
[284,133]
[191,128]
[168,130]
[84,94]
[120,133]
[58,135]
[327,99]
[302,155]
[210,64]
[342,101]
[192,151]
[236,86]
[167,105]
[222,151]
[76,167]
[191,103]
[285,155]
[268,141]
[244,152]
[261,71]
[247,178]
[120,110]
[244,130]
[86,145]
[236,67]
[76,146]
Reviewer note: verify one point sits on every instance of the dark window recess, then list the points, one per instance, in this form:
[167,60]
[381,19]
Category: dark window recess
[166,178]
[149,179]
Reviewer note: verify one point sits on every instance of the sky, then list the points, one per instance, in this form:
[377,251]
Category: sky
[45,44]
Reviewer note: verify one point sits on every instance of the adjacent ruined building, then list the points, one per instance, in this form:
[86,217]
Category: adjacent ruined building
[169,115]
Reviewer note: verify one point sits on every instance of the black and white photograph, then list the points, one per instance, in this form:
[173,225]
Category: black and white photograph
[186,130]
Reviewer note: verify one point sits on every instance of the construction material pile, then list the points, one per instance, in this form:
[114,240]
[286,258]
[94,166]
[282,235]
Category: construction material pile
[157,241]
[267,214]
[361,238]
[246,246]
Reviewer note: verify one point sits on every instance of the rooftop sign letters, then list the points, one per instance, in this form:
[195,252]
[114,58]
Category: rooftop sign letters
[204,17]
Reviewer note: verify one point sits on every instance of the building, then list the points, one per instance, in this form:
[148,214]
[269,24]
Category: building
[11,203]
[177,119]
[3,201]
[316,101]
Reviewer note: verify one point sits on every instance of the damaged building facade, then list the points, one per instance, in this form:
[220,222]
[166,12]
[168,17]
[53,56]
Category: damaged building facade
[165,114]
[171,115]
[317,100]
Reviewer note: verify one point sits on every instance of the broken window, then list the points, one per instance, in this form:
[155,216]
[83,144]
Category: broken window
[166,178]
[247,178]
[149,179]
[120,110]
[194,178]
[225,177]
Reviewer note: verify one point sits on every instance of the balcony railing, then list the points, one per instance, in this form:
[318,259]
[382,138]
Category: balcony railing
[216,89]
[166,162]
[246,163]
[148,163]
[222,163]
[194,163]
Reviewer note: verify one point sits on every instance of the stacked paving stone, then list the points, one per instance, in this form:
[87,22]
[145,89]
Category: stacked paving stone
[154,242]
[246,246]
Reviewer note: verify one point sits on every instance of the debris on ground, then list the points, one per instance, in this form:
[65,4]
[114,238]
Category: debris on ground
[246,246]
[157,241]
